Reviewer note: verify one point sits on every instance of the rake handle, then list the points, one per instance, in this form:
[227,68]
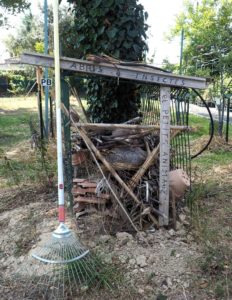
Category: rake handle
[61,210]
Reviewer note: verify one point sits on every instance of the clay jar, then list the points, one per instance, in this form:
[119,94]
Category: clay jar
[179,182]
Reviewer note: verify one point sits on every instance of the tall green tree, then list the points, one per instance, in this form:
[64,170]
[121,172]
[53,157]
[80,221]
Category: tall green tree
[30,33]
[116,28]
[15,5]
[207,27]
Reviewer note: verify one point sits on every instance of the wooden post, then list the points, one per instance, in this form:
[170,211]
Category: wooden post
[164,154]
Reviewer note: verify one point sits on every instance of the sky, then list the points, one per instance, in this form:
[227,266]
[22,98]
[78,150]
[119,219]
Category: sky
[161,17]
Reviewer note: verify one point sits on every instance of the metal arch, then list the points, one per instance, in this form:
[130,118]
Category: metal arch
[212,126]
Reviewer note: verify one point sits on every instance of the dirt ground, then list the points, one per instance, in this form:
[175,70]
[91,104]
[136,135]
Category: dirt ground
[160,264]
[194,262]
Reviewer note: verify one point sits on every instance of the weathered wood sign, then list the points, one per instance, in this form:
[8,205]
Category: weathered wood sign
[164,154]
[137,73]
[134,73]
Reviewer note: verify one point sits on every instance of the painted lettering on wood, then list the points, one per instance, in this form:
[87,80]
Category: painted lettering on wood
[164,154]
[136,73]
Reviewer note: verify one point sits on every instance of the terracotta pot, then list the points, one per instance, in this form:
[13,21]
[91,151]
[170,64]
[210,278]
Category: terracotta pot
[179,182]
[78,157]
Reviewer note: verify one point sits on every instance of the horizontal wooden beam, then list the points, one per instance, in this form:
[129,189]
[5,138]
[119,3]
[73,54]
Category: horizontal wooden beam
[135,73]
[126,126]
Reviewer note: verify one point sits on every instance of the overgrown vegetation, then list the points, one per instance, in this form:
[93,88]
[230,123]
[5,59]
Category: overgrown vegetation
[207,34]
[116,28]
[19,164]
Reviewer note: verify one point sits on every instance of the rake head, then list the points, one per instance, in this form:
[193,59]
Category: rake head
[63,247]
[61,268]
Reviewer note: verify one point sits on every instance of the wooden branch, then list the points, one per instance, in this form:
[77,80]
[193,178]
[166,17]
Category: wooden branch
[64,109]
[75,93]
[146,165]
[113,172]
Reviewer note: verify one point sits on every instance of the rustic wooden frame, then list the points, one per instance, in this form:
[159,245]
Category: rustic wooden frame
[134,73]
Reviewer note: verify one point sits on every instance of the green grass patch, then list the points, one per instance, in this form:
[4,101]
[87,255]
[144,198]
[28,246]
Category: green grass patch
[14,128]
[211,159]
[201,126]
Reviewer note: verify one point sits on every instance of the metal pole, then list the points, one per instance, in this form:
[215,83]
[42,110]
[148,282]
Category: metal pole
[39,101]
[228,120]
[181,50]
[46,69]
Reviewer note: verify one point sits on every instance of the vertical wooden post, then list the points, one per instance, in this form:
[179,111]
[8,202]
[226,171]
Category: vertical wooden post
[164,154]
[39,75]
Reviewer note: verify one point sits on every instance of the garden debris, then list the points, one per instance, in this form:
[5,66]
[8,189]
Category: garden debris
[126,159]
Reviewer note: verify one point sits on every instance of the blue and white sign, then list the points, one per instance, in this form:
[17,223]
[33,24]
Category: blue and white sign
[46,82]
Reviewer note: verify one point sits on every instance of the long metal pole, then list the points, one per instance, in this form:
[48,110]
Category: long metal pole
[58,113]
[46,69]
[181,51]
[228,120]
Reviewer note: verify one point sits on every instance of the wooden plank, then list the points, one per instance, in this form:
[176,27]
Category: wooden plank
[91,200]
[165,95]
[142,74]
[126,126]
[81,191]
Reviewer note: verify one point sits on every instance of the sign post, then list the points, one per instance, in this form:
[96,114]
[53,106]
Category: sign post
[165,98]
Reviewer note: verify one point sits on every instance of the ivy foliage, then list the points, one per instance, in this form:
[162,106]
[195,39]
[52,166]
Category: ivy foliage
[15,5]
[116,28]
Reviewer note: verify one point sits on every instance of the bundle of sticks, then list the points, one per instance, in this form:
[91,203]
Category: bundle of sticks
[127,156]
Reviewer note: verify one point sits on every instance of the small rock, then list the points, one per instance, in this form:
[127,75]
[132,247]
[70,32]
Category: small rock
[186,210]
[203,283]
[178,226]
[190,237]
[181,232]
[123,238]
[108,258]
[172,232]
[132,262]
[135,271]
[104,238]
[91,244]
[169,282]
[141,291]
[148,288]
[142,237]
[186,284]
[152,258]
[182,217]
[141,261]
[122,259]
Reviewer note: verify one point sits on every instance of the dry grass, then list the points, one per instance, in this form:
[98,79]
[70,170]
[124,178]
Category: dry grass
[15,103]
